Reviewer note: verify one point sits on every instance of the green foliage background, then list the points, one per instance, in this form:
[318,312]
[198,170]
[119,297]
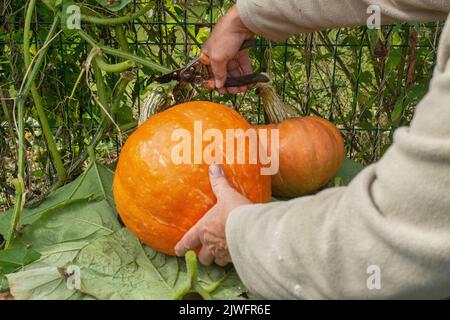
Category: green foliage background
[366,81]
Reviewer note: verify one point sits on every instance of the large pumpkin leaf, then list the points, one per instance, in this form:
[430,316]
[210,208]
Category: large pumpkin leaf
[12,260]
[65,222]
[46,278]
[95,182]
[118,267]
[77,227]
[46,283]
[74,224]
[56,238]
[224,283]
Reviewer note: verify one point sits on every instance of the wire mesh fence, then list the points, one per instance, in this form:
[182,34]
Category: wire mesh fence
[366,81]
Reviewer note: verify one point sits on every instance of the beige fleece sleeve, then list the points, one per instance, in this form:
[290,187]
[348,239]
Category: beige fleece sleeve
[386,235]
[277,19]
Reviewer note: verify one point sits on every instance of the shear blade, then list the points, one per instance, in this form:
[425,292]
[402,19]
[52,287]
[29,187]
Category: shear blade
[166,78]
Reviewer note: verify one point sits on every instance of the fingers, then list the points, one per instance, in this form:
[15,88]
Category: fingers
[190,240]
[244,62]
[205,257]
[222,67]
[238,67]
[219,182]
[220,261]
[219,69]
[224,45]
[233,71]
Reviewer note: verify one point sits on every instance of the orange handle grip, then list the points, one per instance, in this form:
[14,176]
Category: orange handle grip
[204,59]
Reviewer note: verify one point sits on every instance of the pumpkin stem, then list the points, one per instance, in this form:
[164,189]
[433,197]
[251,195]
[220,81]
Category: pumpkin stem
[156,101]
[191,266]
[193,285]
[275,110]
[192,271]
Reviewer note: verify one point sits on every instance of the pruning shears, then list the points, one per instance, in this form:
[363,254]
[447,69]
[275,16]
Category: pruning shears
[198,72]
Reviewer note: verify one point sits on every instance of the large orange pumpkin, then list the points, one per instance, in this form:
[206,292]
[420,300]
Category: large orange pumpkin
[311,149]
[159,200]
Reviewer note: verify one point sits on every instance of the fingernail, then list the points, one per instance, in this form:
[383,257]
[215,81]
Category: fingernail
[215,170]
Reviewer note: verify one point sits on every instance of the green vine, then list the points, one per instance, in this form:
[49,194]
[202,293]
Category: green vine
[116,20]
[114,67]
[51,144]
[121,54]
[25,90]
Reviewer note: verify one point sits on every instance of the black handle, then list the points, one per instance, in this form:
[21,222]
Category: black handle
[246,80]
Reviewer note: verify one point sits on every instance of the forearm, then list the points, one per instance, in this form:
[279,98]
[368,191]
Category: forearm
[327,246]
[275,247]
[393,217]
[277,19]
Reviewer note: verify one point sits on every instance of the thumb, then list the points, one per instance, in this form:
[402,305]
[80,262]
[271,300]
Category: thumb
[219,182]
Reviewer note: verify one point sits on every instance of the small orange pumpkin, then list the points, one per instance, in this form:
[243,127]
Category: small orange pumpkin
[311,149]
[159,200]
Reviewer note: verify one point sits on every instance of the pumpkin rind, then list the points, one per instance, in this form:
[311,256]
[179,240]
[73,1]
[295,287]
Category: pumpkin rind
[311,151]
[159,200]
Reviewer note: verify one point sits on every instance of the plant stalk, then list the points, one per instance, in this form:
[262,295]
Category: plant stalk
[51,144]
[19,183]
[104,123]
[122,38]
[8,115]
[113,67]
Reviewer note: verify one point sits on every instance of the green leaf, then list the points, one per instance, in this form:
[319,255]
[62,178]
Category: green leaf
[64,223]
[124,115]
[77,222]
[118,267]
[47,283]
[346,173]
[224,283]
[38,173]
[96,182]
[14,258]
[394,58]
[398,110]
[58,235]
[77,227]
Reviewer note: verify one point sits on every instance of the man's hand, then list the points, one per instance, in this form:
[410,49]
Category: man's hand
[209,232]
[222,48]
